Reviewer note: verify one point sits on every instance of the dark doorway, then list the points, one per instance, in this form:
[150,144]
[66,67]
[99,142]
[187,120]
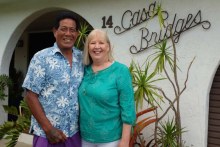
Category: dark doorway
[214,112]
[15,91]
[39,41]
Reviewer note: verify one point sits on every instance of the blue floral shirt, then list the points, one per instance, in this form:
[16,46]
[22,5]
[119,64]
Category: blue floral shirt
[51,77]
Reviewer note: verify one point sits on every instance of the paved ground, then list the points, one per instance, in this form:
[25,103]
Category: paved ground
[23,145]
[22,138]
[2,144]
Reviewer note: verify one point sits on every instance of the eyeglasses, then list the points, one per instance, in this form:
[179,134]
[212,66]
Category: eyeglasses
[66,29]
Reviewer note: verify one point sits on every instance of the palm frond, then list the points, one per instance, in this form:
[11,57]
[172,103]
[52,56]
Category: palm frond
[168,133]
[5,81]
[11,130]
[11,110]
[83,33]
[161,56]
[143,84]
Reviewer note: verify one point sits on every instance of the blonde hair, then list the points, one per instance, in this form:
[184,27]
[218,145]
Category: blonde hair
[86,57]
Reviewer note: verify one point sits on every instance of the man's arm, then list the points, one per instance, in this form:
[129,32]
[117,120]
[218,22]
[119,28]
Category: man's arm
[53,135]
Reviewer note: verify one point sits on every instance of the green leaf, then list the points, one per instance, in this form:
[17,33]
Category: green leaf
[143,84]
[83,33]
[168,133]
[11,110]
[161,56]
[5,81]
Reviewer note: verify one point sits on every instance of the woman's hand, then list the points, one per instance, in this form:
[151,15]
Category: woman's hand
[123,143]
[125,139]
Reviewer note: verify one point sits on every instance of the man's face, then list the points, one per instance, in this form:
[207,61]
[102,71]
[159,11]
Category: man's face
[66,34]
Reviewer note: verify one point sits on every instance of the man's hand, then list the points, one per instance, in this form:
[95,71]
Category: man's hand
[55,136]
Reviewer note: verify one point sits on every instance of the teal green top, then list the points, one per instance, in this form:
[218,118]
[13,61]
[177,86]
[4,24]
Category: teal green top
[106,100]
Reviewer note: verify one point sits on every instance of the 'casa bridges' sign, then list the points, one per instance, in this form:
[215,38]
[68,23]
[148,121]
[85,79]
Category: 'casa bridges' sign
[130,20]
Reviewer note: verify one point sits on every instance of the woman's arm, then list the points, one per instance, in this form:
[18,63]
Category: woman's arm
[125,139]
[127,105]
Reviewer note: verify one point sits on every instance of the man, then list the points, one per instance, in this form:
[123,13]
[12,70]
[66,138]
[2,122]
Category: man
[51,84]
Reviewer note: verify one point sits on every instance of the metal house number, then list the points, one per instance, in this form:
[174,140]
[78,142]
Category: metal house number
[107,22]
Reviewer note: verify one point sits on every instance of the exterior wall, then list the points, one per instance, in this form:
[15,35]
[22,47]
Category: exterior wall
[196,42]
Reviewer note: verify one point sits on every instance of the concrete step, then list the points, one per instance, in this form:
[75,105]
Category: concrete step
[2,143]
[24,140]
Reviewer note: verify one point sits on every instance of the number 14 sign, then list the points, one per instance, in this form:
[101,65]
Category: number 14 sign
[107,22]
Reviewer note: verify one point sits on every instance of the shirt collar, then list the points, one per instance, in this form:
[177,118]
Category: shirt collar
[56,49]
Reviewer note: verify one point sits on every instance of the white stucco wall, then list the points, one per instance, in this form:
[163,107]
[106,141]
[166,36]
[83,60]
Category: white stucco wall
[197,42]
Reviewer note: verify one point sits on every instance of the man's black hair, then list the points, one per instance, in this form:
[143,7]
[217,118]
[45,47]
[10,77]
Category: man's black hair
[63,15]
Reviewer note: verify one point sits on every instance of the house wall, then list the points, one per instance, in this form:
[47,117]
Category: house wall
[196,42]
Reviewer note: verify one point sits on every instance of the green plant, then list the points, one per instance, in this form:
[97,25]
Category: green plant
[168,131]
[162,58]
[5,82]
[10,130]
[162,55]
[143,84]
[146,91]
[164,61]
[83,33]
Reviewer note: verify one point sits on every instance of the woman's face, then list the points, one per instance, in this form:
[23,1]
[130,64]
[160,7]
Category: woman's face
[98,48]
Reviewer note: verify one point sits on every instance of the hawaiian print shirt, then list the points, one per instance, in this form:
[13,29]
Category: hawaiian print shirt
[56,83]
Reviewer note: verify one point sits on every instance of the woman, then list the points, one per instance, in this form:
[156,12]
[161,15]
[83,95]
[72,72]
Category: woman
[105,96]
